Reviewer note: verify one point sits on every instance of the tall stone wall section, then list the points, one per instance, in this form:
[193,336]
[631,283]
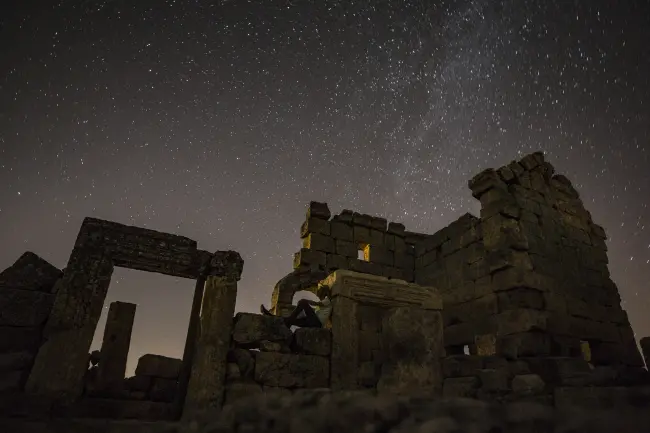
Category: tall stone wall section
[347,241]
[541,285]
[27,292]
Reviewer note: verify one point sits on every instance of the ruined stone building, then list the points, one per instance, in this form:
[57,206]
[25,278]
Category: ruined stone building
[516,303]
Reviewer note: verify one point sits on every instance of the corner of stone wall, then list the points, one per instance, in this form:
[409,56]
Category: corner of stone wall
[547,261]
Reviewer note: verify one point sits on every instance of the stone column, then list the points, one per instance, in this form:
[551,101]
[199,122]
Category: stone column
[62,359]
[208,373]
[345,343]
[115,346]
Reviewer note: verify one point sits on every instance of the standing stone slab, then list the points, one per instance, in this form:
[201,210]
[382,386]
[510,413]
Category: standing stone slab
[413,341]
[206,386]
[645,348]
[115,345]
[62,360]
[345,344]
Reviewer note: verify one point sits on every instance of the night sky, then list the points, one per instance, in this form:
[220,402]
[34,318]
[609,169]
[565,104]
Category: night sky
[221,122]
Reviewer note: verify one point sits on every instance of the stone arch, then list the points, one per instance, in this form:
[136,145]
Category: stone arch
[286,288]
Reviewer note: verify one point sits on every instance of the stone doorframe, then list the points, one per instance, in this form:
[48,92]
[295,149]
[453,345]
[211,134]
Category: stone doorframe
[60,365]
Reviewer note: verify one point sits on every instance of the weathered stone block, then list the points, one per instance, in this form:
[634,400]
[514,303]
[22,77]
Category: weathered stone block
[494,380]
[290,370]
[404,261]
[462,365]
[460,387]
[274,346]
[347,249]
[362,219]
[396,229]
[24,307]
[370,318]
[315,225]
[115,345]
[528,384]
[360,234]
[604,398]
[158,366]
[313,341]
[276,392]
[369,343]
[13,339]
[334,262]
[413,343]
[377,238]
[249,329]
[520,298]
[309,258]
[29,272]
[341,231]
[245,361]
[319,242]
[364,267]
[138,383]
[523,344]
[109,408]
[394,273]
[318,210]
[163,390]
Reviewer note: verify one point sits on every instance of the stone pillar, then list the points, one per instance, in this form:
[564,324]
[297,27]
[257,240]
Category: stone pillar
[208,373]
[115,346]
[62,360]
[413,346]
[345,343]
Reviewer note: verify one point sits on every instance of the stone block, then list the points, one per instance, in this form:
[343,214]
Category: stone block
[471,310]
[593,398]
[379,255]
[378,223]
[29,272]
[108,408]
[291,370]
[377,238]
[245,361]
[24,307]
[249,329]
[158,366]
[370,318]
[232,372]
[486,345]
[645,348]
[494,380]
[524,344]
[334,262]
[413,346]
[460,387]
[527,385]
[315,225]
[138,383]
[319,242]
[346,249]
[462,365]
[309,259]
[396,229]
[394,273]
[341,231]
[404,261]
[521,320]
[369,373]
[115,345]
[274,346]
[318,210]
[14,339]
[276,392]
[520,298]
[360,234]
[163,390]
[369,343]
[313,341]
[362,219]
[15,360]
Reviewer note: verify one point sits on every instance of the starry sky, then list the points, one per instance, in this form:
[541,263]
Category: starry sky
[221,121]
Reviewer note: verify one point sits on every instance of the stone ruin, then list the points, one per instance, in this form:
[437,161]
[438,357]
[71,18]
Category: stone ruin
[515,305]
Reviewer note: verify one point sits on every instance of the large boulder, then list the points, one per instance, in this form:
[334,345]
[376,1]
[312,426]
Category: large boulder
[158,366]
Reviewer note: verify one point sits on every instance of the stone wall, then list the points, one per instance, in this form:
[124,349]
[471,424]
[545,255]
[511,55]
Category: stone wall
[550,292]
[267,357]
[27,291]
[347,241]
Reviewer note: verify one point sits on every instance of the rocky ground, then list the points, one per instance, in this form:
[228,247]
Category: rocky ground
[316,412]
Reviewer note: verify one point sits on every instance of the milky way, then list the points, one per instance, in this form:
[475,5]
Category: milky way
[220,123]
